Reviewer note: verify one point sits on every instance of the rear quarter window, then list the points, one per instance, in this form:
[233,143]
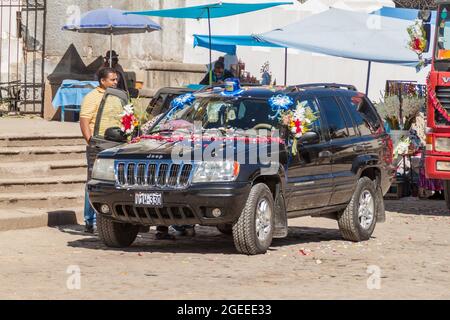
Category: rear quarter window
[363,113]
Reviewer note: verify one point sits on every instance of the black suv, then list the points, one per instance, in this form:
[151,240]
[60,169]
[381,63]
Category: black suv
[340,169]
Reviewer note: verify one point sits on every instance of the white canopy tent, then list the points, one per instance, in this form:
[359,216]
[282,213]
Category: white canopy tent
[349,34]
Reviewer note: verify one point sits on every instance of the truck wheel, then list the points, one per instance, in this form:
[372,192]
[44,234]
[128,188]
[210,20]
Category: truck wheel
[447,192]
[114,234]
[358,220]
[253,232]
[225,228]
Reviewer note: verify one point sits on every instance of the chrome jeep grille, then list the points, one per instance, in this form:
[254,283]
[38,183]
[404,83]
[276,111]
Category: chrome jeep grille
[131,174]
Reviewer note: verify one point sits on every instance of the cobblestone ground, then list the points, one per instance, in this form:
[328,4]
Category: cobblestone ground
[408,257]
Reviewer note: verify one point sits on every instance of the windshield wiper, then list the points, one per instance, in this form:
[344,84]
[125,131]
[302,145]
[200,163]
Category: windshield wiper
[161,131]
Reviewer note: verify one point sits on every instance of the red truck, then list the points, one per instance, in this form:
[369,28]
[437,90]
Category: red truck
[437,161]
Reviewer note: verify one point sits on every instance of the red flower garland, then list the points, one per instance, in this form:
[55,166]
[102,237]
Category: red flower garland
[193,138]
[436,103]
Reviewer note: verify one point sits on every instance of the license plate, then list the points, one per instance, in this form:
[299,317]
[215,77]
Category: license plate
[142,199]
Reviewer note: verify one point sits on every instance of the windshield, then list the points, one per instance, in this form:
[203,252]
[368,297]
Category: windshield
[443,34]
[221,114]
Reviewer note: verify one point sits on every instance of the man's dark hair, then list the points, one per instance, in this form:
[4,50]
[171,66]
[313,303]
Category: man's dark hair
[103,73]
[219,64]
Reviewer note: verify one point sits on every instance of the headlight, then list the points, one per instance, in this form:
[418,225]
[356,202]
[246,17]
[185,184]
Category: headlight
[104,170]
[216,171]
[442,144]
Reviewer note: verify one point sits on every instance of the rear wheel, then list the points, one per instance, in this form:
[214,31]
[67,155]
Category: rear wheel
[253,232]
[358,220]
[114,234]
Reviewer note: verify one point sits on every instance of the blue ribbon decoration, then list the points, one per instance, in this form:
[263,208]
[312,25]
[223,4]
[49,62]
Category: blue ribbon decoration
[280,103]
[181,102]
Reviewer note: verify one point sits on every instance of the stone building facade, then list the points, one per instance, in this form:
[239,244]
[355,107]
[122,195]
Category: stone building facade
[155,58]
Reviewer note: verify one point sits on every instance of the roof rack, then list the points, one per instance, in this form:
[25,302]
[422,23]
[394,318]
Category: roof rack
[321,85]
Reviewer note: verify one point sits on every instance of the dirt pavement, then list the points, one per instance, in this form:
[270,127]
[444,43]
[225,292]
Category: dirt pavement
[408,257]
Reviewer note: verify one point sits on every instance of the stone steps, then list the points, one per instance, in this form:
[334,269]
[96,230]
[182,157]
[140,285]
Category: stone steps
[46,153]
[43,200]
[42,180]
[26,218]
[43,184]
[27,169]
[41,141]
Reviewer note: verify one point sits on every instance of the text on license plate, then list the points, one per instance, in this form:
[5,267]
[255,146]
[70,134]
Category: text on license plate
[148,199]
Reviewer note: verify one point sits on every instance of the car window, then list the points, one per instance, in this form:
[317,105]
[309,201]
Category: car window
[316,126]
[110,114]
[348,120]
[336,123]
[157,104]
[363,113]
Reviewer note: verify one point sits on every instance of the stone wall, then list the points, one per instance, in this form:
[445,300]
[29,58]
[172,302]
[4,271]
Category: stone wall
[155,58]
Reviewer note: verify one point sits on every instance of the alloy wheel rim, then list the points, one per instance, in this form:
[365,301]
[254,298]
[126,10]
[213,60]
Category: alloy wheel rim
[263,219]
[366,210]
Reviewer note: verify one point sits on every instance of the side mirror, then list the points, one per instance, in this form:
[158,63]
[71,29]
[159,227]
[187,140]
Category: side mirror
[309,138]
[115,134]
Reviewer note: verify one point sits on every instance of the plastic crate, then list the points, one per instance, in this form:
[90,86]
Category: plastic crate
[396,191]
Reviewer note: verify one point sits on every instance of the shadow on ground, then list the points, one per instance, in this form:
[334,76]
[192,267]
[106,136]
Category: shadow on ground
[207,241]
[418,207]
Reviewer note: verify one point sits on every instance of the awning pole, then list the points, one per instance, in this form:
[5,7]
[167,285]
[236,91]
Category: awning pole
[210,48]
[110,50]
[368,77]
[285,65]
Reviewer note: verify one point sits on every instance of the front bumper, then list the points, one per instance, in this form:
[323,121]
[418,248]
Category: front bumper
[432,164]
[193,205]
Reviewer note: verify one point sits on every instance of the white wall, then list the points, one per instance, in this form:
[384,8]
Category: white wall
[11,46]
[303,67]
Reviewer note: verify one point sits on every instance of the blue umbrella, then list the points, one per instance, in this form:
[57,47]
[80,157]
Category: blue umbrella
[111,22]
[210,11]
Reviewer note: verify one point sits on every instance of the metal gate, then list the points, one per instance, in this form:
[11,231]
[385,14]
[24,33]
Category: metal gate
[22,51]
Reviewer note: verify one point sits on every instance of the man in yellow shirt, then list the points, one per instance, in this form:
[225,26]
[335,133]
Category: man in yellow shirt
[107,78]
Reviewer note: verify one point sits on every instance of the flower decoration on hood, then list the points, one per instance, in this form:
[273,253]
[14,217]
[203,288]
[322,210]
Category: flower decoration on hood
[128,120]
[280,103]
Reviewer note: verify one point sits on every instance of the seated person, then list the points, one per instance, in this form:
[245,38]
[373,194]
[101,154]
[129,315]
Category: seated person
[122,80]
[219,74]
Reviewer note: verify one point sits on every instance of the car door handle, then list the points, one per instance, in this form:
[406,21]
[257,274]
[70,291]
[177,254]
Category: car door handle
[325,154]
[358,148]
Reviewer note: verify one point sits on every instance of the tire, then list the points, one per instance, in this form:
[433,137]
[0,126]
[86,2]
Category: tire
[225,228]
[114,234]
[245,230]
[351,227]
[447,193]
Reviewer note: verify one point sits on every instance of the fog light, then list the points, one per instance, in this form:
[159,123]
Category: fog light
[104,209]
[216,213]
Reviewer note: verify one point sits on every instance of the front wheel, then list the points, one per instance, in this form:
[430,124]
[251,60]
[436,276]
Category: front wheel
[358,220]
[253,232]
[115,234]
